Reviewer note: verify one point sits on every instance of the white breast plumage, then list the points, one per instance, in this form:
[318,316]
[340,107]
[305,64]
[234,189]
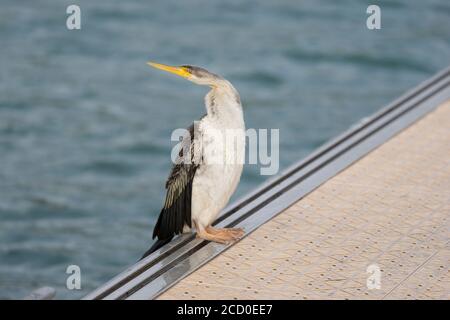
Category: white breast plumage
[223,147]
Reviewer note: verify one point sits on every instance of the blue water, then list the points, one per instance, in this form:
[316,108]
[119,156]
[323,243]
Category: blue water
[85,125]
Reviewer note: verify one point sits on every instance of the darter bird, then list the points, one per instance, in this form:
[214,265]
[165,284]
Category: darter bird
[208,168]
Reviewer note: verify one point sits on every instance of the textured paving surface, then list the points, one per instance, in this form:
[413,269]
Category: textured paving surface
[391,209]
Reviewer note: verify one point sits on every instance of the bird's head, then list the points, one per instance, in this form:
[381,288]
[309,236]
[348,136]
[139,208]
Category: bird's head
[195,74]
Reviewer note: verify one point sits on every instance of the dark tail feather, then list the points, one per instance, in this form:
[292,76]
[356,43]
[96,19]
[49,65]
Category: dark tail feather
[158,244]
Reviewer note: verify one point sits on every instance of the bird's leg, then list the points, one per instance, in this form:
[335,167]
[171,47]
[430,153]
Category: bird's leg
[203,233]
[234,233]
[217,235]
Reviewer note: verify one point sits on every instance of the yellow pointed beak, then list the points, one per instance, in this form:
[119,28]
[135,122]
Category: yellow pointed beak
[180,71]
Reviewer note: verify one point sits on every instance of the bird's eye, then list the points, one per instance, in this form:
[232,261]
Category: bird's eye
[188,68]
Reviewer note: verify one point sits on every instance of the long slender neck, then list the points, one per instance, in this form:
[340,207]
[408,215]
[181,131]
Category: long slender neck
[223,100]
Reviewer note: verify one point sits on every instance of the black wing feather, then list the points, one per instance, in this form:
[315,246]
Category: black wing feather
[176,211]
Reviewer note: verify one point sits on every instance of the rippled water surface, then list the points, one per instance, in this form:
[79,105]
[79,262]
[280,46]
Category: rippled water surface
[85,125]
